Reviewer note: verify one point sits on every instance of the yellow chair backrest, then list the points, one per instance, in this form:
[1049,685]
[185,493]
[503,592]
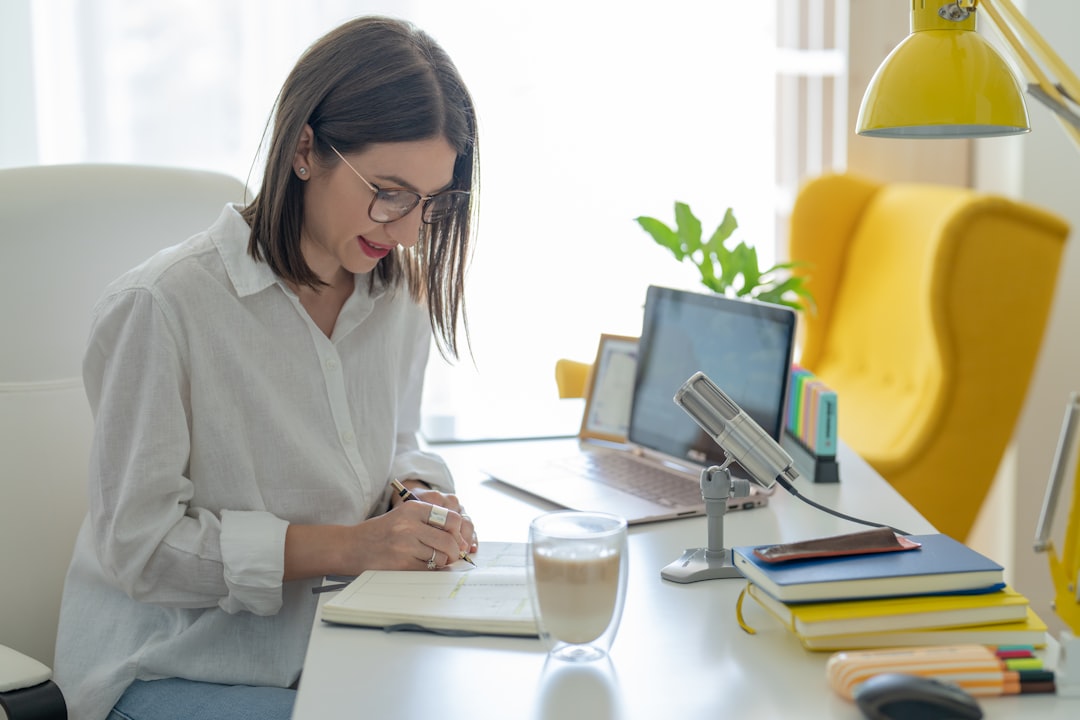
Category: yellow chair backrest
[571,377]
[931,305]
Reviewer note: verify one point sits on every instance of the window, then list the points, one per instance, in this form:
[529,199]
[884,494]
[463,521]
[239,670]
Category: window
[591,114]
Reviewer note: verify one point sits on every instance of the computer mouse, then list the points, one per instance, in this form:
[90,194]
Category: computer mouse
[899,696]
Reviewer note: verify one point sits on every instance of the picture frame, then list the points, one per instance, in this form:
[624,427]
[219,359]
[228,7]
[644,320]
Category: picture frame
[610,389]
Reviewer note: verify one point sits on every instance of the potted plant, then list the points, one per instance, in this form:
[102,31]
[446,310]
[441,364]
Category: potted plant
[729,271]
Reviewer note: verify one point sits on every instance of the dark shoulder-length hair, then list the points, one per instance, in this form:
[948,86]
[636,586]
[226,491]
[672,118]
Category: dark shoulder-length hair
[373,80]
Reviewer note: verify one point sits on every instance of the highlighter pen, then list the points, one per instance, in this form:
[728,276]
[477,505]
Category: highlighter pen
[1023,682]
[406,495]
[1008,653]
[1028,683]
[1032,663]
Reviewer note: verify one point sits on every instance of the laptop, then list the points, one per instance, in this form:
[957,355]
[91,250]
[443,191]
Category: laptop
[744,346]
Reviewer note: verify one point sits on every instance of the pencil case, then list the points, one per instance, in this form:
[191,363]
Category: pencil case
[975,668]
[865,542]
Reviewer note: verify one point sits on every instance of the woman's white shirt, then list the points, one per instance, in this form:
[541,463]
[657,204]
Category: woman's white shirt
[222,414]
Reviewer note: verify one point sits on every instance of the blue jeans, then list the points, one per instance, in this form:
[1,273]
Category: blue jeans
[176,699]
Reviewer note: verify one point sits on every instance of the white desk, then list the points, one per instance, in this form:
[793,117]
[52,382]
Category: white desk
[679,652]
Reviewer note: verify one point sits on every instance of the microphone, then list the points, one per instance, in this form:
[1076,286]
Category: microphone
[735,432]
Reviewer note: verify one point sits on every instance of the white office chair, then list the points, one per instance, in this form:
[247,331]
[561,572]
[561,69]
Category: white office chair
[66,231]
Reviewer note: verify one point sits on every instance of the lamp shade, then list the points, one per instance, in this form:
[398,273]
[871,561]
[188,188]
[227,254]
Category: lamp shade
[943,81]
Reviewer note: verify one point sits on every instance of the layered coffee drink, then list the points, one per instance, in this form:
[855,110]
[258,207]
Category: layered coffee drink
[577,588]
[577,566]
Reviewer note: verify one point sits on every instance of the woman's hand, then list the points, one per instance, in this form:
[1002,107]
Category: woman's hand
[450,502]
[427,533]
[408,537]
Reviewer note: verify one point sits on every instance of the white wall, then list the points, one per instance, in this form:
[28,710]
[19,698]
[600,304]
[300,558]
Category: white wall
[18,136]
[1042,167]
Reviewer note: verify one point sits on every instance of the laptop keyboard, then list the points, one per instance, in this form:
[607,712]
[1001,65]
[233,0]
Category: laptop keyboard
[636,477]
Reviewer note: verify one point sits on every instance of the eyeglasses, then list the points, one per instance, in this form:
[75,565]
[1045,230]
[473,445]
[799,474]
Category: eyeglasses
[390,204]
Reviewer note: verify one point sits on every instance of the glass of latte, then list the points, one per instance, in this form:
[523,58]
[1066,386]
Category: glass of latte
[577,567]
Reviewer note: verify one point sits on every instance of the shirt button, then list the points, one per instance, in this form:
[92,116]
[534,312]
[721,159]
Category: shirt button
[331,364]
[347,438]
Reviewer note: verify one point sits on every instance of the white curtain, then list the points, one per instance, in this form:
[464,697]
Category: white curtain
[591,114]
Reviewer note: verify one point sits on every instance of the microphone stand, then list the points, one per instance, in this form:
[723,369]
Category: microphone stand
[715,561]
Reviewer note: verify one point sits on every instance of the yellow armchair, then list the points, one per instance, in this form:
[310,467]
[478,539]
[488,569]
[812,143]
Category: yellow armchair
[571,377]
[931,304]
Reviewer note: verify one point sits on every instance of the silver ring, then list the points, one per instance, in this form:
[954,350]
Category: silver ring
[431,563]
[437,516]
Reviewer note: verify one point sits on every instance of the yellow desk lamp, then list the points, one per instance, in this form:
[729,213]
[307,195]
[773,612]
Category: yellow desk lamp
[946,81]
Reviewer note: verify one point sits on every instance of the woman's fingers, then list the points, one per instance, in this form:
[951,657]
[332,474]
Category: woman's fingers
[435,521]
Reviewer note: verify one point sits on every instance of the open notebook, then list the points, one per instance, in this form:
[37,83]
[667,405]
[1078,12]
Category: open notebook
[744,346]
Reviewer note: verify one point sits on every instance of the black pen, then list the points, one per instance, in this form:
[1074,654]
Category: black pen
[406,495]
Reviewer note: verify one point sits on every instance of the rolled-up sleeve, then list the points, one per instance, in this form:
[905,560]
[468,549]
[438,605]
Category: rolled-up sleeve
[154,544]
[253,551]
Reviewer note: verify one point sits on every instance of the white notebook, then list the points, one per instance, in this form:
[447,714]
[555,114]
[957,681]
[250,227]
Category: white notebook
[491,598]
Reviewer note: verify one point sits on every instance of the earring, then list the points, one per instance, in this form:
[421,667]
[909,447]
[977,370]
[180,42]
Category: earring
[302,171]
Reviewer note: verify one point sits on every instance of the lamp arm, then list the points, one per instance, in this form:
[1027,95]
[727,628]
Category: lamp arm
[1066,446]
[1066,77]
[1064,567]
[1059,96]
[1064,112]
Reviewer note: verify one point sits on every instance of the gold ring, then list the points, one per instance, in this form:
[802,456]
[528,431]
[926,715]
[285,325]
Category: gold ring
[431,563]
[437,516]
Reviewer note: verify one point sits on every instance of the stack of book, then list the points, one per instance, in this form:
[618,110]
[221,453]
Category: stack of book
[942,593]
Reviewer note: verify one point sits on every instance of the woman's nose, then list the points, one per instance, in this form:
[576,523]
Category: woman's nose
[405,231]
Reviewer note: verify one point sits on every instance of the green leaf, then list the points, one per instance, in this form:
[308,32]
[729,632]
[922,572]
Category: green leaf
[793,285]
[785,266]
[727,226]
[708,274]
[722,232]
[788,285]
[710,281]
[721,267]
[741,261]
[717,258]
[749,265]
[663,235]
[689,228]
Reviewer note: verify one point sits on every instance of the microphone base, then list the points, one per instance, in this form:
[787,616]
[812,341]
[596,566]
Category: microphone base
[701,564]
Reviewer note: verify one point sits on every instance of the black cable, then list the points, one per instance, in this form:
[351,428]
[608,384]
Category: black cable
[786,484]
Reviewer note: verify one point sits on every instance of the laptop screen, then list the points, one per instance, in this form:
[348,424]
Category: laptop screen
[744,346]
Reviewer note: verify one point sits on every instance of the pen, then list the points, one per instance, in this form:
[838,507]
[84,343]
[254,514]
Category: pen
[406,495]
[1024,682]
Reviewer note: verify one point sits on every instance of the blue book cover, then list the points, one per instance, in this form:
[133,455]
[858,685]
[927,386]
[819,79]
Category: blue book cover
[941,565]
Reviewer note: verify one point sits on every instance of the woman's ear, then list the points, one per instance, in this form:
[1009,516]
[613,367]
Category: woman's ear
[302,158]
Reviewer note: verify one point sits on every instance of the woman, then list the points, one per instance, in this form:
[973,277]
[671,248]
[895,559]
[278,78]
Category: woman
[256,388]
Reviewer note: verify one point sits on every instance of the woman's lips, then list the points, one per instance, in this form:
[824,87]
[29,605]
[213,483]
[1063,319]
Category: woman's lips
[372,250]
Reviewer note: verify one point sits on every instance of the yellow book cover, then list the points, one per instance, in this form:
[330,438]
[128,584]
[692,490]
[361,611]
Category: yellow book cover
[1031,631]
[919,612]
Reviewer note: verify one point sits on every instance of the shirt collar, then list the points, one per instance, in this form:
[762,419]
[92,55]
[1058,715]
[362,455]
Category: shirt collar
[230,235]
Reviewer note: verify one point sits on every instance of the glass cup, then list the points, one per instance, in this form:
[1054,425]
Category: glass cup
[577,568]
